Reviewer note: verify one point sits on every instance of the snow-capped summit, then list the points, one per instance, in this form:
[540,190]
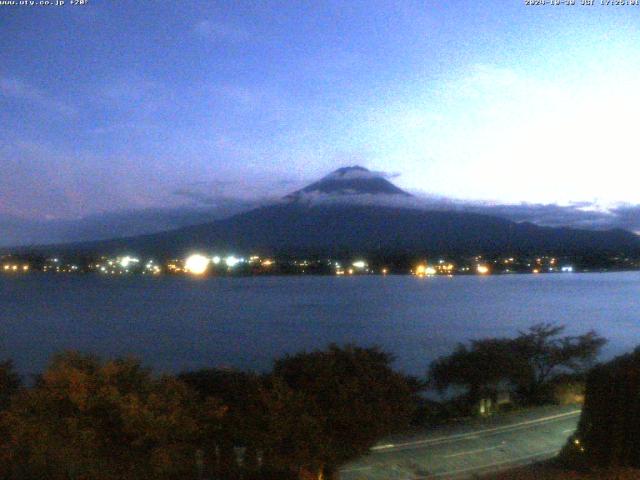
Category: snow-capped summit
[350,173]
[348,182]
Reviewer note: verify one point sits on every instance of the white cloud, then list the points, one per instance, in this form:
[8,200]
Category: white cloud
[482,79]
[513,134]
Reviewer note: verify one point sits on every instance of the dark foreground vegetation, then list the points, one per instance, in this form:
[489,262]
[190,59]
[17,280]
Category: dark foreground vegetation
[85,418]
[536,367]
[608,434]
[606,444]
[90,419]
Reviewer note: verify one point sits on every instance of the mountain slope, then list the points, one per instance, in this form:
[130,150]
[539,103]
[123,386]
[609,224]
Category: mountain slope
[329,217]
[294,229]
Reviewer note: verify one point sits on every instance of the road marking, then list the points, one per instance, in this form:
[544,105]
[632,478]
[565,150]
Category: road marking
[382,447]
[569,430]
[462,436]
[471,452]
[490,465]
[356,469]
[388,446]
[513,461]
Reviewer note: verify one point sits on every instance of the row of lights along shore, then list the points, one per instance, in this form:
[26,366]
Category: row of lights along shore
[200,264]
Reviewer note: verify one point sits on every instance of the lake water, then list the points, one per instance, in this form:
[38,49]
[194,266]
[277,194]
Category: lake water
[175,323]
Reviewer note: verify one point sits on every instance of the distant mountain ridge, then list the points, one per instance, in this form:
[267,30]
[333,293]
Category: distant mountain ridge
[353,210]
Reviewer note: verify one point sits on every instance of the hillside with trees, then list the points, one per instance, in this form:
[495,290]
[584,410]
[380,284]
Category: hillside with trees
[91,419]
[85,418]
[527,367]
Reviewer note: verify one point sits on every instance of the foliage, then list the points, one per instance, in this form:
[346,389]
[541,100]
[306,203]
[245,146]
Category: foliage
[524,364]
[540,354]
[327,407]
[104,420]
[608,433]
[88,419]
[239,391]
[567,389]
[479,368]
[243,422]
[9,383]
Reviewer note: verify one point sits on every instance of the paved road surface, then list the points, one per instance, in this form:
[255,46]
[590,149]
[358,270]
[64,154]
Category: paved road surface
[462,451]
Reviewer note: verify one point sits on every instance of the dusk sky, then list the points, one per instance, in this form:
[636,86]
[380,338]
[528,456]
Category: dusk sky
[125,105]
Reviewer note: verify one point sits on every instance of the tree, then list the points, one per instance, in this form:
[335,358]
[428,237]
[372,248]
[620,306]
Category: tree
[608,433]
[9,383]
[327,407]
[540,354]
[89,419]
[479,368]
[244,419]
[525,363]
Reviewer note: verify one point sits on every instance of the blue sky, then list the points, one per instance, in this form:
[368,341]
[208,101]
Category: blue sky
[118,106]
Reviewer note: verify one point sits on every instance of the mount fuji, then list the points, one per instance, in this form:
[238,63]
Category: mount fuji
[355,210]
[348,182]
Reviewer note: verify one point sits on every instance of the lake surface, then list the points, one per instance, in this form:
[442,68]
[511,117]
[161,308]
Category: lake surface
[176,323]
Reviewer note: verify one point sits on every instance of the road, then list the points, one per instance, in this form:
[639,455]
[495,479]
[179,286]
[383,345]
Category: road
[466,450]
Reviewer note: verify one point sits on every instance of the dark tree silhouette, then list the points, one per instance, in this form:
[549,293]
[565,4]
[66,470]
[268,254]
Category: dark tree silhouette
[243,422]
[89,419]
[608,433]
[9,383]
[328,407]
[540,353]
[525,364]
[478,368]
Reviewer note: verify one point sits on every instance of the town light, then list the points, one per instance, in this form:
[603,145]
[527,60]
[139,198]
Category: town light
[483,269]
[424,270]
[231,261]
[126,261]
[196,264]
